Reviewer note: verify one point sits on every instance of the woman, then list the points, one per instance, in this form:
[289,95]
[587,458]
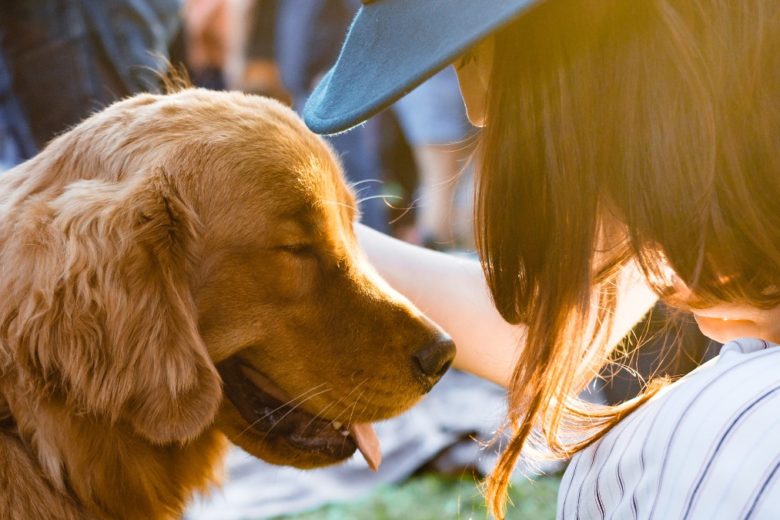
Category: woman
[620,137]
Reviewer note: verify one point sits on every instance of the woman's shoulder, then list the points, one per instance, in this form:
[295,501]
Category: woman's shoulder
[707,445]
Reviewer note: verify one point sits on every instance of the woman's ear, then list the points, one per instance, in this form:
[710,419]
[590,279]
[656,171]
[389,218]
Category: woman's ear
[106,321]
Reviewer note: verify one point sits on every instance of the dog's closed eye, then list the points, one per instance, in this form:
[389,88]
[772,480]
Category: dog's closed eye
[301,249]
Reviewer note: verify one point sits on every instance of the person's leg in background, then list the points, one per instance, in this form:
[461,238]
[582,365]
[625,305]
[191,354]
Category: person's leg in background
[203,42]
[434,122]
[259,73]
[16,140]
[308,39]
[360,155]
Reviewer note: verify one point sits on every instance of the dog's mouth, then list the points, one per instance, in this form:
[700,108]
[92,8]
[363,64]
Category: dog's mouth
[269,412]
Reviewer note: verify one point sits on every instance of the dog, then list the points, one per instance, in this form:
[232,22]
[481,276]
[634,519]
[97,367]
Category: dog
[178,271]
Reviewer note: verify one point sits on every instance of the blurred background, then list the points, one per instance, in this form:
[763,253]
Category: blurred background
[61,60]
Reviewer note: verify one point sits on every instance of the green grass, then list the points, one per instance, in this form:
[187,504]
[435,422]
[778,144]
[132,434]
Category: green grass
[435,497]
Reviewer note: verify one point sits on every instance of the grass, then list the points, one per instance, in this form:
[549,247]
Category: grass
[436,497]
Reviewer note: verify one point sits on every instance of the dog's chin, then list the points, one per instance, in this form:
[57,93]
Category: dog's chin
[258,419]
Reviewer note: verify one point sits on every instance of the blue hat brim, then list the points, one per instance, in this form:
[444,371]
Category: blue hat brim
[394,45]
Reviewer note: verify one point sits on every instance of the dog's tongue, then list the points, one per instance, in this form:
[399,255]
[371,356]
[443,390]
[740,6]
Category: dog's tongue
[368,444]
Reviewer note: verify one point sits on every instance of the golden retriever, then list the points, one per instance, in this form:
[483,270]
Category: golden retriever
[178,270]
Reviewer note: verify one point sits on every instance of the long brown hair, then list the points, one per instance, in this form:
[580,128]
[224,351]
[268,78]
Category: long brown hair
[656,121]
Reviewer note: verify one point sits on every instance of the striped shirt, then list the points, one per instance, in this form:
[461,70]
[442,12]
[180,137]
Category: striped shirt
[706,447]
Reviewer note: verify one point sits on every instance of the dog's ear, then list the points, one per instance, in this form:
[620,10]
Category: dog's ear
[106,320]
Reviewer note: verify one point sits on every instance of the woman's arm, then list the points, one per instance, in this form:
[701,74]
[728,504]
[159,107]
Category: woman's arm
[452,292]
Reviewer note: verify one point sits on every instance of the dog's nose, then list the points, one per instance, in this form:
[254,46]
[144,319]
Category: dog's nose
[434,359]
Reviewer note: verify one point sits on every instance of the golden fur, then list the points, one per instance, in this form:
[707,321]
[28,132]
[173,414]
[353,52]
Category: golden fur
[143,249]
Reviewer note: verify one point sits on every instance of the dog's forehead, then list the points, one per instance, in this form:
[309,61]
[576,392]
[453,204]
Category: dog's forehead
[241,155]
[286,199]
[301,167]
[329,206]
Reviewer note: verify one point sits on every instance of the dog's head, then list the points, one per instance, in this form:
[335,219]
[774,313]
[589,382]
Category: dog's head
[190,261]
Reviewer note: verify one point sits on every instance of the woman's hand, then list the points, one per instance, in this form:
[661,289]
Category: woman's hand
[452,292]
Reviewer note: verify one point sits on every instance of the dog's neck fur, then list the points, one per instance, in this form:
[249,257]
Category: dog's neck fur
[6,419]
[115,474]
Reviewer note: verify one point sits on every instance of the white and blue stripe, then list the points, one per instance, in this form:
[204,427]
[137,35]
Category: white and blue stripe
[706,447]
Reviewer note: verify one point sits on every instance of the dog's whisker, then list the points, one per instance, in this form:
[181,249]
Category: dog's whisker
[338,401]
[385,197]
[354,405]
[301,395]
[381,196]
[338,203]
[301,400]
[364,181]
[356,401]
[365,406]
[405,211]
[292,409]
[292,401]
[359,193]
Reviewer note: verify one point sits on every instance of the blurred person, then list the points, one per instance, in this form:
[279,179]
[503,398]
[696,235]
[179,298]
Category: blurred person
[628,153]
[65,59]
[207,29]
[432,118]
[229,44]
[16,141]
[435,125]
[260,72]
[307,38]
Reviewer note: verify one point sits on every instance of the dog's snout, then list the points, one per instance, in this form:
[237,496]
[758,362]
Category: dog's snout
[435,358]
